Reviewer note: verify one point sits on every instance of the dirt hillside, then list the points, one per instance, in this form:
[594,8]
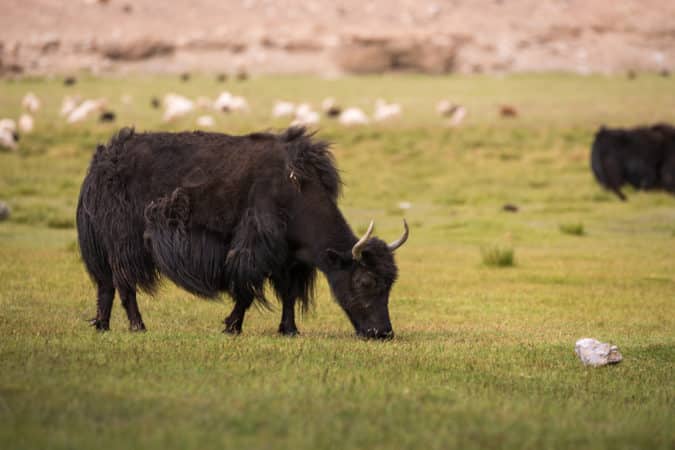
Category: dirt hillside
[333,37]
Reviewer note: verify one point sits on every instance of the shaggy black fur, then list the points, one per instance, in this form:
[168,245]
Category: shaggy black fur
[218,213]
[643,157]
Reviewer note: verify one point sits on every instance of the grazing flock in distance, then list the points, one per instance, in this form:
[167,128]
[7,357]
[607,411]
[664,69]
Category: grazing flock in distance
[643,157]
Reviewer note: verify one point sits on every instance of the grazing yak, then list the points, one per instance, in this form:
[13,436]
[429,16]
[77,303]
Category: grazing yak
[218,213]
[643,157]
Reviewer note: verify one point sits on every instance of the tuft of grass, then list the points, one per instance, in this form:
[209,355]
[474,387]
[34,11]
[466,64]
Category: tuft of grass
[498,256]
[575,229]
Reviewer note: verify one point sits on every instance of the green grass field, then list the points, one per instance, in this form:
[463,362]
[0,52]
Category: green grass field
[483,355]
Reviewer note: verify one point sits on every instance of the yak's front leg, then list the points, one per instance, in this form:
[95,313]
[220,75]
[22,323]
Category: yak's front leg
[128,297]
[287,326]
[295,283]
[235,320]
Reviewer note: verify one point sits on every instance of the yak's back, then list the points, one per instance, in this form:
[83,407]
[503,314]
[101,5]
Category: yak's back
[196,155]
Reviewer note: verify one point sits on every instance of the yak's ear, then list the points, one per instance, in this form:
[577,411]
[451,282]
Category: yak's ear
[337,260]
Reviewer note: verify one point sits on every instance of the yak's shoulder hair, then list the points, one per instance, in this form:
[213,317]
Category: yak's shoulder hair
[117,140]
[307,155]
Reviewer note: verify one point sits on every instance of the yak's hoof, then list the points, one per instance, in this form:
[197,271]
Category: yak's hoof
[99,324]
[137,327]
[232,325]
[232,330]
[288,331]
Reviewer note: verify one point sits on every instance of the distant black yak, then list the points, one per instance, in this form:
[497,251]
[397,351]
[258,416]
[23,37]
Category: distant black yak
[218,213]
[644,157]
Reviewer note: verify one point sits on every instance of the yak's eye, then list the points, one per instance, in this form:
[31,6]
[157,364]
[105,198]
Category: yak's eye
[366,281]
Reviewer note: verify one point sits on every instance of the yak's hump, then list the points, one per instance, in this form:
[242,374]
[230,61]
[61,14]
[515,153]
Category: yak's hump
[307,155]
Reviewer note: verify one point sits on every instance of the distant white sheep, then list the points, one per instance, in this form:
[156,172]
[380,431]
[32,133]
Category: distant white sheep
[455,112]
[226,102]
[26,123]
[386,111]
[457,116]
[305,116]
[69,104]
[330,107]
[205,122]
[353,116]
[204,103]
[30,103]
[85,109]
[8,136]
[283,109]
[176,106]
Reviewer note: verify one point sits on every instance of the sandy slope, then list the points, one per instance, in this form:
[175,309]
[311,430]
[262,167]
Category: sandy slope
[345,35]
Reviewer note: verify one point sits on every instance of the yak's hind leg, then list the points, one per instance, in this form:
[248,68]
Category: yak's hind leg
[128,297]
[95,258]
[104,301]
[235,320]
[614,176]
[296,282]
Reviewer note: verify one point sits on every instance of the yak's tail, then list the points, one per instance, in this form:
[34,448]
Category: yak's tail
[92,250]
[606,170]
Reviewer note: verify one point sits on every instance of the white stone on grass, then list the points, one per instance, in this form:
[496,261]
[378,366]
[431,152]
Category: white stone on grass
[594,353]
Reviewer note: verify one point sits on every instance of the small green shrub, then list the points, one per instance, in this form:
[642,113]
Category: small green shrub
[498,256]
[575,229]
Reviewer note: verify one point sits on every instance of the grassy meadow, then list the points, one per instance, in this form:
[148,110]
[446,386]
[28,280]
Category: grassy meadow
[484,350]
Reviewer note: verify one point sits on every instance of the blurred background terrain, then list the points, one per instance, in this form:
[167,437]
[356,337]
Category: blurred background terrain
[331,38]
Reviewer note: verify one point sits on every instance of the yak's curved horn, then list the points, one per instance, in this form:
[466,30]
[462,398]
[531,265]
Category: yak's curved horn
[356,250]
[396,244]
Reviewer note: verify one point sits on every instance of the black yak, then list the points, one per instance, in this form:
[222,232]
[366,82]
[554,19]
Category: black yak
[218,213]
[643,157]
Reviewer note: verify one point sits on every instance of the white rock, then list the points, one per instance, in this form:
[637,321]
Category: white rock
[26,123]
[127,99]
[205,121]
[353,116]
[30,102]
[594,353]
[283,109]
[405,205]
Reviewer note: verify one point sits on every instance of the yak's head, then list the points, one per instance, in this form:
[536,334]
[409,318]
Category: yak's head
[361,280]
